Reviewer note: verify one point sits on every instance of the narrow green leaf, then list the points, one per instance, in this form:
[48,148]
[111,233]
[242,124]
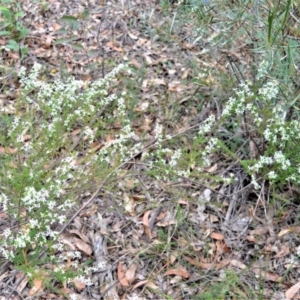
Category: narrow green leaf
[12,44]
[19,14]
[23,32]
[286,13]
[7,14]
[93,52]
[62,31]
[67,18]
[270,25]
[24,50]
[76,46]
[70,21]
[5,32]
[85,15]
[66,41]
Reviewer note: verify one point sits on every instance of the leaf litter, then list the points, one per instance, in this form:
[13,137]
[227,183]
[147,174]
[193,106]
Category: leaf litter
[240,231]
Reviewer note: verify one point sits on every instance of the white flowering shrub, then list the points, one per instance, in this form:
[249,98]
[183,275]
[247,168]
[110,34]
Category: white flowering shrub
[278,158]
[46,164]
[39,173]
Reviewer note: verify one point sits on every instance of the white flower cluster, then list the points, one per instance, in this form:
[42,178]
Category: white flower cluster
[278,158]
[59,98]
[269,91]
[159,134]
[262,70]
[212,145]
[244,94]
[120,145]
[281,135]
[175,157]
[207,125]
[43,211]
[238,105]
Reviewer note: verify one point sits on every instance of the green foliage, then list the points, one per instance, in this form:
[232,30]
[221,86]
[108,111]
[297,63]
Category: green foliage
[12,26]
[41,180]
[73,24]
[225,289]
[38,188]
[40,175]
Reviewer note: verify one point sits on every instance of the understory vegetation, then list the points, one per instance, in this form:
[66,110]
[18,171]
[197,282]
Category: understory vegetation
[169,160]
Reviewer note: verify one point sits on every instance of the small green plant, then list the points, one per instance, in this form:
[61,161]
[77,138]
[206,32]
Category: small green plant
[40,179]
[278,162]
[40,173]
[13,28]
[225,289]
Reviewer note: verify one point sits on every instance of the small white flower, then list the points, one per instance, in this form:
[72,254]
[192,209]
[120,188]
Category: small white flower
[74,297]
[272,175]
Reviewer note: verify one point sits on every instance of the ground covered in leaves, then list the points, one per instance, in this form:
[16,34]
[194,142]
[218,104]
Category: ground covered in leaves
[192,238]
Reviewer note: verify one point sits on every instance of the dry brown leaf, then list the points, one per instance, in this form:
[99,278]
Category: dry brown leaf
[138,197]
[152,285]
[49,39]
[83,246]
[4,275]
[257,269]
[26,137]
[172,257]
[121,275]
[81,235]
[130,273]
[185,74]
[273,277]
[37,285]
[111,45]
[68,291]
[206,266]
[3,214]
[7,150]
[222,247]
[251,238]
[134,37]
[283,232]
[253,151]
[147,229]
[182,242]
[129,204]
[166,223]
[143,282]
[55,27]
[182,201]
[179,272]
[212,168]
[128,183]
[175,86]
[213,218]
[109,139]
[284,251]
[146,218]
[79,285]
[259,231]
[292,291]
[145,84]
[238,264]
[142,107]
[75,132]
[161,216]
[135,63]
[156,81]
[217,236]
